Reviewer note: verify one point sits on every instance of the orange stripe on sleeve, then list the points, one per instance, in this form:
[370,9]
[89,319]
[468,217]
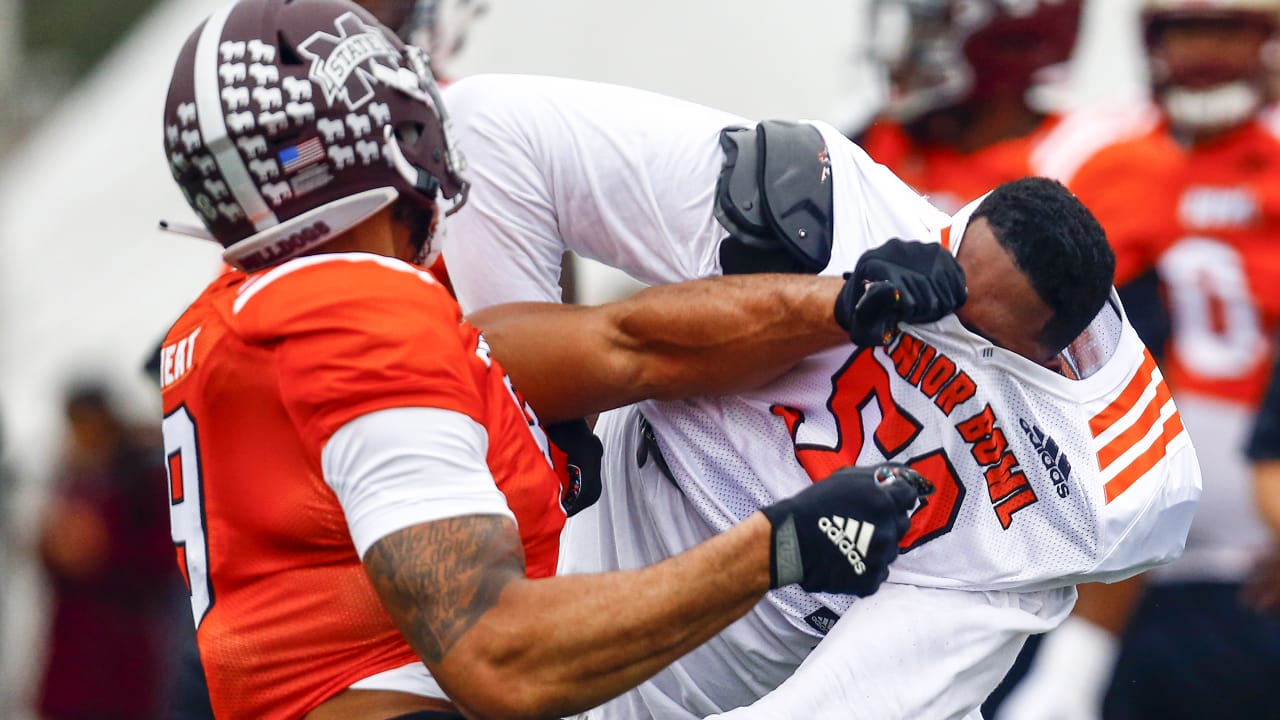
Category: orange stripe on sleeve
[946,237]
[1144,462]
[1127,398]
[1138,430]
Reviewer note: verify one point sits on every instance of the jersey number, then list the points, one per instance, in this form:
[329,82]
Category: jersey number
[186,509]
[1216,329]
[861,382]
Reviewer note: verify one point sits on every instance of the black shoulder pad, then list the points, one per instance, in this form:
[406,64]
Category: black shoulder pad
[797,193]
[774,198]
[738,205]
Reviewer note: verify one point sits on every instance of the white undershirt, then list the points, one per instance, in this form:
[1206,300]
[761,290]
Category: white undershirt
[392,469]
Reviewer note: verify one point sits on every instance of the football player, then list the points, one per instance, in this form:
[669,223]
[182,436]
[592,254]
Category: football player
[962,113]
[1055,450]
[1192,207]
[364,507]
[1264,451]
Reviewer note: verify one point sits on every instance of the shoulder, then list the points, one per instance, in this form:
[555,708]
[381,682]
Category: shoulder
[478,100]
[1140,160]
[1072,139]
[1264,133]
[337,289]
[536,105]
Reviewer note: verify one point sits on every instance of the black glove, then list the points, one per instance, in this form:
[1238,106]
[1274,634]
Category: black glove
[900,281]
[841,534]
[576,452]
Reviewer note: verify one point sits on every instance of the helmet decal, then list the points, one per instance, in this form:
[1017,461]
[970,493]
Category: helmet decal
[342,64]
[213,123]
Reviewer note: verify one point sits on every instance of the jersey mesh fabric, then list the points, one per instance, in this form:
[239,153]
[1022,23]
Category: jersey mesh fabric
[279,362]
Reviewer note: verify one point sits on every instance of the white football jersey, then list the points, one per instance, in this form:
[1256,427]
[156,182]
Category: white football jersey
[1042,481]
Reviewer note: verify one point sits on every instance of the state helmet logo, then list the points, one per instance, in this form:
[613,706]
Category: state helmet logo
[343,65]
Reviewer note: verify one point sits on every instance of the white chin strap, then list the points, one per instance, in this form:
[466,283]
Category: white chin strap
[1218,108]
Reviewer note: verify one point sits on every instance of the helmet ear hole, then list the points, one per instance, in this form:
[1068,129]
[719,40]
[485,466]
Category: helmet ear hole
[288,56]
[408,133]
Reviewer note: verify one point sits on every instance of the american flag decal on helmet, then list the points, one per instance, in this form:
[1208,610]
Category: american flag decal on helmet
[296,157]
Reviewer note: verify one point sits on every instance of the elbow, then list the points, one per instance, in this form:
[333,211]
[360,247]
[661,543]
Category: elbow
[506,679]
[492,694]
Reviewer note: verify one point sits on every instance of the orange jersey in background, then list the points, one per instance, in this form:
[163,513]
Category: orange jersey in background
[256,376]
[951,178]
[1207,219]
[948,177]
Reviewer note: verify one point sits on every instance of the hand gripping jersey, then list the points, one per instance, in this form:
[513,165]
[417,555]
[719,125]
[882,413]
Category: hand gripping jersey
[1208,227]
[1042,481]
[257,375]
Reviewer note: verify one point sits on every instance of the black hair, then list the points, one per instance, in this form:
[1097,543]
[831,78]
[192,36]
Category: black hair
[1058,244]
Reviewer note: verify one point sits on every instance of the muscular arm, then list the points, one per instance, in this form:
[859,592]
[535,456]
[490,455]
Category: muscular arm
[505,646]
[706,337]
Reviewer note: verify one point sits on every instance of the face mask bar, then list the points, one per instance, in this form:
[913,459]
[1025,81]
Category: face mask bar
[420,84]
[1097,344]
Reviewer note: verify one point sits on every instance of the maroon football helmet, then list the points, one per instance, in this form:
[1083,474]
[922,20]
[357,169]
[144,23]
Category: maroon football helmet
[289,121]
[1211,62]
[943,53]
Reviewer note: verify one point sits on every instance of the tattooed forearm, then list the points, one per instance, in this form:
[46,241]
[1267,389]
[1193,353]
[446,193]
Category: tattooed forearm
[436,579]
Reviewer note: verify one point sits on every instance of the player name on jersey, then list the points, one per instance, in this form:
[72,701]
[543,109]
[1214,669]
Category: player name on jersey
[176,358]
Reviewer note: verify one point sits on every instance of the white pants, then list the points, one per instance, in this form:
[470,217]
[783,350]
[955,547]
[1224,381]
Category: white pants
[913,653]
[906,652]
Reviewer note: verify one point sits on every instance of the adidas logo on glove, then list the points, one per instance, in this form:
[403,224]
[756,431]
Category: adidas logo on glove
[852,537]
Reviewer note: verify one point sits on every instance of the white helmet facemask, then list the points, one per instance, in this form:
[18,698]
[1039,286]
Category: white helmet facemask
[1217,108]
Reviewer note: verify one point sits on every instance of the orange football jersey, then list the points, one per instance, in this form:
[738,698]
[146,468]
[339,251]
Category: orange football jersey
[948,177]
[1207,218]
[256,376]
[1055,149]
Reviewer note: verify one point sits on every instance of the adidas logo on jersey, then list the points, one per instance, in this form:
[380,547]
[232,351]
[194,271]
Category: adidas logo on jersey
[852,537]
[822,619]
[1054,460]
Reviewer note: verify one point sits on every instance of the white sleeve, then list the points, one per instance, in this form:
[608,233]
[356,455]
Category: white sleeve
[1156,511]
[913,652]
[387,478]
[617,175]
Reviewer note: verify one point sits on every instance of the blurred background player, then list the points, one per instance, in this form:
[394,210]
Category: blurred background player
[105,547]
[1192,207]
[437,26]
[1264,450]
[966,108]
